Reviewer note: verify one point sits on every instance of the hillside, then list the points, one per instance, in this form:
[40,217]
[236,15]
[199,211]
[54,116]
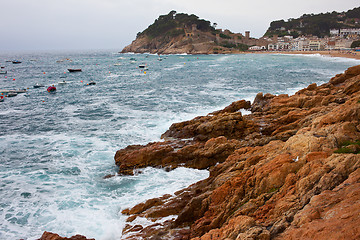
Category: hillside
[183,33]
[315,24]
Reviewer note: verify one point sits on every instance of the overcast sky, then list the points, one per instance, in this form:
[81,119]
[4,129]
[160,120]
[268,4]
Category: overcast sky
[113,24]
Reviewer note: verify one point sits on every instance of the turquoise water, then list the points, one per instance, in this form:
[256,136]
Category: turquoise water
[56,148]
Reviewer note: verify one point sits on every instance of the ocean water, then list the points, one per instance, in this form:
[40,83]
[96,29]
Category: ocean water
[55,149]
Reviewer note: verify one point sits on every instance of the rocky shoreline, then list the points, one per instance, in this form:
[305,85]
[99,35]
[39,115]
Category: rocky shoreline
[288,170]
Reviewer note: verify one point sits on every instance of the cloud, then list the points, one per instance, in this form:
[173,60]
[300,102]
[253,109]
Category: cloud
[89,24]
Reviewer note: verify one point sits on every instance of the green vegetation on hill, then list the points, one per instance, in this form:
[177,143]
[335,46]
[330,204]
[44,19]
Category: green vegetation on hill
[173,25]
[315,24]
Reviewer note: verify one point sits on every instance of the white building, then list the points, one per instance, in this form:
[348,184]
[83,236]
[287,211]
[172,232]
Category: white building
[257,48]
[279,46]
[334,32]
[349,32]
[299,44]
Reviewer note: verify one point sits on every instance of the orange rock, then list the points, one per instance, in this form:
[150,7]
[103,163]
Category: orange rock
[273,173]
[54,236]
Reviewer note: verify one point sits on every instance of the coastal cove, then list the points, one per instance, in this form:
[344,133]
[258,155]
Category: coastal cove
[57,148]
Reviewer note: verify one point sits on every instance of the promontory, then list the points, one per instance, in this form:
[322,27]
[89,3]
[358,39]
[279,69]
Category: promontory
[177,33]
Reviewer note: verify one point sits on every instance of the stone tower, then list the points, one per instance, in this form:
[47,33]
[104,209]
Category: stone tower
[247,35]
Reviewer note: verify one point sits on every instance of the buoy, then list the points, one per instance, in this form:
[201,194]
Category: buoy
[44,72]
[144,72]
[81,81]
[14,79]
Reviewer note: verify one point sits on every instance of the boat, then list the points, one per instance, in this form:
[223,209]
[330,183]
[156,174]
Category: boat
[51,89]
[19,91]
[117,64]
[74,70]
[12,94]
[3,72]
[1,98]
[38,85]
[91,83]
[16,62]
[142,66]
[63,82]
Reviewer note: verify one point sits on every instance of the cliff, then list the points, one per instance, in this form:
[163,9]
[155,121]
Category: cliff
[289,170]
[176,33]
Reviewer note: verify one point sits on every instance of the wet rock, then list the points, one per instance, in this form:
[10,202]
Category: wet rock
[274,174]
[54,236]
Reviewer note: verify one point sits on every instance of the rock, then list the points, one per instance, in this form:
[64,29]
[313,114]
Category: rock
[274,174]
[54,236]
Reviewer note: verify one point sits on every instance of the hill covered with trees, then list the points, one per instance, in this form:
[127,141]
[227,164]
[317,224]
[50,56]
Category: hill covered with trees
[185,33]
[315,24]
[173,24]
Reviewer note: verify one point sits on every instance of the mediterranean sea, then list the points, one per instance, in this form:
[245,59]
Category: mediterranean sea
[56,148]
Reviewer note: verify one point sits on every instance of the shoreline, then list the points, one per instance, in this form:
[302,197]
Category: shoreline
[341,54]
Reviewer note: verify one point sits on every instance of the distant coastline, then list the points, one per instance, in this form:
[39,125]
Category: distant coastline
[343,54]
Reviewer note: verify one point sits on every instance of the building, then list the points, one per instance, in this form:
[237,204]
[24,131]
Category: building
[334,32]
[343,44]
[279,46]
[314,45]
[299,44]
[257,48]
[349,32]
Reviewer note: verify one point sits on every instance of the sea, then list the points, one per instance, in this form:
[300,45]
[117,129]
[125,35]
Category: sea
[56,148]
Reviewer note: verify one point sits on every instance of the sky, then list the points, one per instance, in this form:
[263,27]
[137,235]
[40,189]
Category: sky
[35,25]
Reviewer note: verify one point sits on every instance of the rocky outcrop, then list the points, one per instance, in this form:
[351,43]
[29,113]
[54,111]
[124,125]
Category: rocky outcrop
[54,236]
[288,170]
[201,44]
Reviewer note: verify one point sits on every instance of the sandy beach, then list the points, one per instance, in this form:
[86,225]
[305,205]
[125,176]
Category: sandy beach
[344,54]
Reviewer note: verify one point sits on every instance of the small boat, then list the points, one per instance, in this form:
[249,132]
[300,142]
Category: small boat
[117,64]
[16,62]
[12,94]
[19,91]
[142,66]
[74,70]
[3,72]
[1,98]
[63,82]
[51,89]
[38,85]
[92,83]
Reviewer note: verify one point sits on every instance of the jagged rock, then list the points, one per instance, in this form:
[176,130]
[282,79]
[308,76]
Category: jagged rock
[273,173]
[54,236]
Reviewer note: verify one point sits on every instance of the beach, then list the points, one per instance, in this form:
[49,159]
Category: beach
[343,54]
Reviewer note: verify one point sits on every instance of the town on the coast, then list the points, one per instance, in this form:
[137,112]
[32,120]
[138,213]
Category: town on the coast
[339,39]
[182,33]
